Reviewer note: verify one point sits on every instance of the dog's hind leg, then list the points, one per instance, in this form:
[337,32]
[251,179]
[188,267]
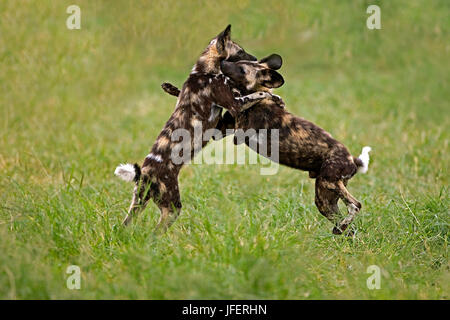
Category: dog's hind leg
[169,203]
[137,205]
[353,206]
[167,218]
[326,200]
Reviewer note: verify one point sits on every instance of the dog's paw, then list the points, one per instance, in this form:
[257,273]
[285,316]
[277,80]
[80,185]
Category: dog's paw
[337,231]
[277,99]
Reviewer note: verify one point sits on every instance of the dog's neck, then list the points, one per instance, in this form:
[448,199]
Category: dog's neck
[209,61]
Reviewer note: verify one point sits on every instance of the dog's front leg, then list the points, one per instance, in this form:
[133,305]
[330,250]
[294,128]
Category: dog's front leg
[251,99]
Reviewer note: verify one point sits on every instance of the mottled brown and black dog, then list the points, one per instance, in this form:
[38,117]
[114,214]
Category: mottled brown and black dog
[198,109]
[302,144]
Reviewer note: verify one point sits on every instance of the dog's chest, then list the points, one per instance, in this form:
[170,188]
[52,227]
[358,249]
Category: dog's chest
[257,117]
[208,113]
[199,92]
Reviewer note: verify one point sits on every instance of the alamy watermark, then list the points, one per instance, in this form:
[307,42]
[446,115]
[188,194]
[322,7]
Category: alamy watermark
[73,22]
[374,20]
[73,281]
[264,142]
[374,280]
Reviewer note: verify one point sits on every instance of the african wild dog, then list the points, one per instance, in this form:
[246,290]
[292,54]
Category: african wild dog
[198,108]
[302,144]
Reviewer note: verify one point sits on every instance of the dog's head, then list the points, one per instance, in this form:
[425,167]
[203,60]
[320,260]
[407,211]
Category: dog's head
[221,48]
[252,76]
[228,49]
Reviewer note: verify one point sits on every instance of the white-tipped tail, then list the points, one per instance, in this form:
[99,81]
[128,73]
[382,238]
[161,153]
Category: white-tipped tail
[125,172]
[364,157]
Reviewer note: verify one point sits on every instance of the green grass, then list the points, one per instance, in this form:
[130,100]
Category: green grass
[74,104]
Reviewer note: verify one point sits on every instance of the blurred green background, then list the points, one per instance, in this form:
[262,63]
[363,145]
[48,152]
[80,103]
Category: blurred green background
[75,103]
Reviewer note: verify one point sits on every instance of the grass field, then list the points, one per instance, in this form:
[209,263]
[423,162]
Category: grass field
[75,103]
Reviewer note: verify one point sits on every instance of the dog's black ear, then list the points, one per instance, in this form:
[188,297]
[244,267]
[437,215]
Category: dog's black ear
[222,39]
[227,32]
[270,78]
[273,61]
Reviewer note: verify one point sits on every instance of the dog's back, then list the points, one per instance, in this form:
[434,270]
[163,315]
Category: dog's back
[302,144]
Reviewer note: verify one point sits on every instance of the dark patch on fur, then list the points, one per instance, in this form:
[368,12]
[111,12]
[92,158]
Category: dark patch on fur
[137,171]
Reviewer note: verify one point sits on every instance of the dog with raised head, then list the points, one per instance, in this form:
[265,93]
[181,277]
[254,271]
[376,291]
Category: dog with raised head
[198,109]
[302,144]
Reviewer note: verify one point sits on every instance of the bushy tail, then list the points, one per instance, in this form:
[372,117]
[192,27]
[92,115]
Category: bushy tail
[363,160]
[128,172]
[170,89]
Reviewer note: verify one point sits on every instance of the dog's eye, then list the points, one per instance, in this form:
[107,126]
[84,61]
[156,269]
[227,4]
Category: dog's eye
[241,69]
